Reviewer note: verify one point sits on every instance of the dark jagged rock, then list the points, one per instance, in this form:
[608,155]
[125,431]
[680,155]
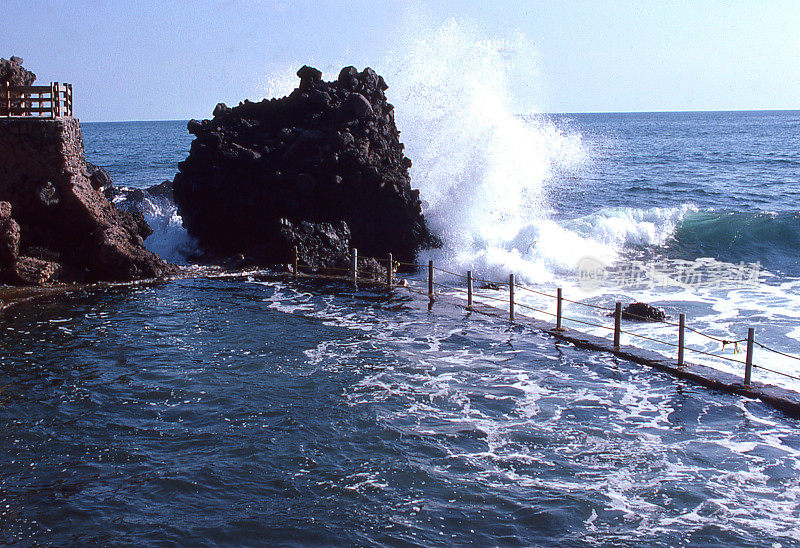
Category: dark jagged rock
[161,190]
[55,223]
[319,245]
[99,177]
[130,199]
[643,312]
[322,169]
[9,236]
[12,71]
[31,271]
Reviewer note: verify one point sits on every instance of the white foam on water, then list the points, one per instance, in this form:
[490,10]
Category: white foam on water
[490,424]
[483,172]
[169,239]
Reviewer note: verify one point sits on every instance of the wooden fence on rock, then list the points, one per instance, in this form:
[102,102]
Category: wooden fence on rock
[51,101]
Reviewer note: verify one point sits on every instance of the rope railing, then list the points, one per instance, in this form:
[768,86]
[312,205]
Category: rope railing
[724,342]
[355,273]
[590,305]
[622,331]
[630,333]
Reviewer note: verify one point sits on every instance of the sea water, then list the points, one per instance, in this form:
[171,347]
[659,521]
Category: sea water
[252,412]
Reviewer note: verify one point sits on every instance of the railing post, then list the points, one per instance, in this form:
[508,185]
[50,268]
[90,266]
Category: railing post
[389,266]
[748,363]
[469,289]
[56,98]
[295,270]
[355,267]
[617,324]
[559,300]
[681,337]
[511,298]
[430,280]
[52,99]
[8,99]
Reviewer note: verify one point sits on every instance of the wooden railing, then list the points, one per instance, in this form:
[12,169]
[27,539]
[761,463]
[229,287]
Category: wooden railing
[50,101]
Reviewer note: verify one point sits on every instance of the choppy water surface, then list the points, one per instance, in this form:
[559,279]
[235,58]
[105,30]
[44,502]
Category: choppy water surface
[216,411]
[263,413]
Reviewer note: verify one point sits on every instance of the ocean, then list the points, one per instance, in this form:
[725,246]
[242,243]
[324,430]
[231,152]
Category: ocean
[212,411]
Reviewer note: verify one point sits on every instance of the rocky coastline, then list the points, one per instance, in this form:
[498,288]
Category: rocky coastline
[316,174]
[56,225]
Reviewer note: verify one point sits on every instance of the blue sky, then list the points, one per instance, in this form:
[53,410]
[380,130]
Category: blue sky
[175,60]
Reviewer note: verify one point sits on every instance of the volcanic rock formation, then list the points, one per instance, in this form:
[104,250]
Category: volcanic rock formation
[322,170]
[55,225]
[643,312]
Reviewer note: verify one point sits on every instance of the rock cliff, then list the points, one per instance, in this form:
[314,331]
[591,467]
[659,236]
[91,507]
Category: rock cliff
[322,170]
[55,222]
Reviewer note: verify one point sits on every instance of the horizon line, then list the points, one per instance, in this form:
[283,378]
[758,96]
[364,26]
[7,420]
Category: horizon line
[564,113]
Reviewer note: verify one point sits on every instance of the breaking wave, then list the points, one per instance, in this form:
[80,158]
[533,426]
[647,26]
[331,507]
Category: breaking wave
[169,239]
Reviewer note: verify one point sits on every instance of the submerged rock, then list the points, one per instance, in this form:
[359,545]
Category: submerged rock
[322,170]
[643,312]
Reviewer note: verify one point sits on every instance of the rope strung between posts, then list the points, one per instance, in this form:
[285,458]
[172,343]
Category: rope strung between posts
[415,265]
[493,284]
[765,347]
[724,342]
[524,288]
[588,304]
[713,338]
[645,337]
[776,372]
[591,324]
[535,309]
[451,273]
[481,280]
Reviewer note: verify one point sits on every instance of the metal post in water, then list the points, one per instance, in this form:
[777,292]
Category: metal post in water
[558,310]
[389,271]
[748,363]
[469,289]
[430,280]
[355,267]
[294,268]
[511,298]
[681,339]
[617,325]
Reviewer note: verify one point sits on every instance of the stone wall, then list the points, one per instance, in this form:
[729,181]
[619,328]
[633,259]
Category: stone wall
[40,148]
